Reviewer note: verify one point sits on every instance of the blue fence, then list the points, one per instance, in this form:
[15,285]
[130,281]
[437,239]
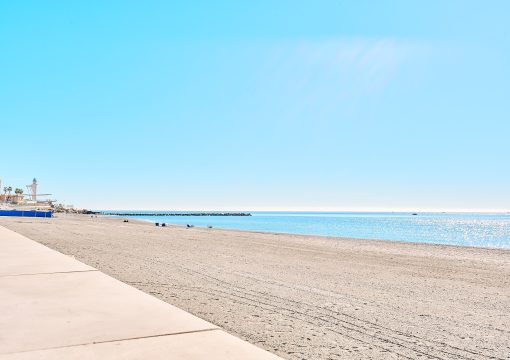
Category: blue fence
[28,213]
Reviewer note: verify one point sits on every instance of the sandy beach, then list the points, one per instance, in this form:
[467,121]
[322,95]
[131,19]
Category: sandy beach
[305,297]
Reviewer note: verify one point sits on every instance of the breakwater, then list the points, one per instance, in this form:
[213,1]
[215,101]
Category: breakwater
[175,213]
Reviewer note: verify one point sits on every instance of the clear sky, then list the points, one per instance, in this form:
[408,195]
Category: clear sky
[290,105]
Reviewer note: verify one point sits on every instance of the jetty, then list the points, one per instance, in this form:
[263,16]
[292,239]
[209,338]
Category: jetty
[121,213]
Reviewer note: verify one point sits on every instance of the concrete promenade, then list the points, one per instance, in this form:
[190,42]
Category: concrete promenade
[54,307]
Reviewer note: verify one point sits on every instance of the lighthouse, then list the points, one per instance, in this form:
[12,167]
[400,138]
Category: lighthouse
[32,189]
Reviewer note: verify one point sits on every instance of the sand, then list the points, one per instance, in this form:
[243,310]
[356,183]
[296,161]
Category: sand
[306,297]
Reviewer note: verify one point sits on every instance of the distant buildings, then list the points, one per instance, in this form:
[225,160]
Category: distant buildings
[7,197]
[17,196]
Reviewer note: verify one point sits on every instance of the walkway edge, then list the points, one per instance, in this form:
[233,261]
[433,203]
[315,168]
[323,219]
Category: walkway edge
[55,307]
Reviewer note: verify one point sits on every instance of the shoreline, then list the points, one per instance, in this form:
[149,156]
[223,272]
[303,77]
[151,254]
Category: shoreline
[170,225]
[302,296]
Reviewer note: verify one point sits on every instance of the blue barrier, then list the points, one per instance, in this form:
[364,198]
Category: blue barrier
[27,213]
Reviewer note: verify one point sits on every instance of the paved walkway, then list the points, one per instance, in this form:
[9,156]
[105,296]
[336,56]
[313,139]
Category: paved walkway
[54,307]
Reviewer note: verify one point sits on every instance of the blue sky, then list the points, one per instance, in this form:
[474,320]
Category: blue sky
[286,105]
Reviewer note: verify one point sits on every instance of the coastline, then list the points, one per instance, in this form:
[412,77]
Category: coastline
[477,230]
[330,237]
[305,296]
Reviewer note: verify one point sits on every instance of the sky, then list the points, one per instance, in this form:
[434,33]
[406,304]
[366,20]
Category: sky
[266,105]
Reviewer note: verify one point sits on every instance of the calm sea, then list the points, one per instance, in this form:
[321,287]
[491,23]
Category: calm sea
[486,230]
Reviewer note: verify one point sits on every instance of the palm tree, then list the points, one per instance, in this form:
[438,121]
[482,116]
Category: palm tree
[9,190]
[18,196]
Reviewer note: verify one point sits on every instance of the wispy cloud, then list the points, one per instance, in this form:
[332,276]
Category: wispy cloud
[369,62]
[325,75]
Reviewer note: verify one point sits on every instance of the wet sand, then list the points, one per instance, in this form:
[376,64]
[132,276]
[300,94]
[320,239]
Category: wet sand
[306,297]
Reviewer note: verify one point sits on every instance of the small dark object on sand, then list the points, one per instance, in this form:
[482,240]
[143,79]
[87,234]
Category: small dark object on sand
[126,220]
[189,226]
[157,224]
[209,226]
[163,224]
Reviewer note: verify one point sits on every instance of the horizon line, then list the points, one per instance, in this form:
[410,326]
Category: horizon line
[328,210]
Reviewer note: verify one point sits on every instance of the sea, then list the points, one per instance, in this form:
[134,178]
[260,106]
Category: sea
[467,229]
